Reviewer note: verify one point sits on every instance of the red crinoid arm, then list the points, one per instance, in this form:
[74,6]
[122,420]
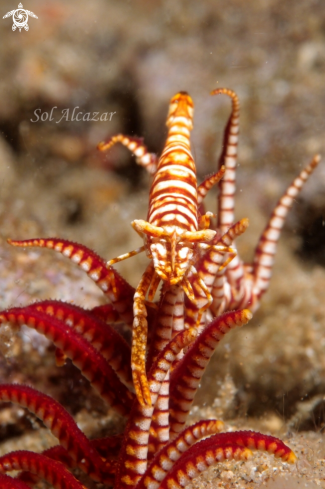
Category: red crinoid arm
[186,376]
[227,186]
[208,183]
[91,363]
[61,424]
[107,447]
[210,271]
[99,334]
[230,289]
[223,291]
[133,457]
[228,158]
[252,440]
[209,265]
[159,428]
[7,482]
[50,470]
[112,284]
[267,245]
[57,453]
[219,447]
[190,466]
[170,321]
[106,312]
[136,146]
[168,456]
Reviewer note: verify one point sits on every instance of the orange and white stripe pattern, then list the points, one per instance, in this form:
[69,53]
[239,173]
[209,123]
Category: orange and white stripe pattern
[242,285]
[267,245]
[136,146]
[172,233]
[228,159]
[227,186]
[169,454]
[133,458]
[172,228]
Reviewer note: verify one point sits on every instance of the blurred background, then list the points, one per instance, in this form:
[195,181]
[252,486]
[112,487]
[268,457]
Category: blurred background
[129,58]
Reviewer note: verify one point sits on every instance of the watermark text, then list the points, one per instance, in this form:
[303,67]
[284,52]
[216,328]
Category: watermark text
[71,116]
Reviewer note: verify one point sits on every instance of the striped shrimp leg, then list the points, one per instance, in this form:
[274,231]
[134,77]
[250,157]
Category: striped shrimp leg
[187,375]
[168,456]
[133,459]
[139,338]
[208,183]
[136,146]
[266,248]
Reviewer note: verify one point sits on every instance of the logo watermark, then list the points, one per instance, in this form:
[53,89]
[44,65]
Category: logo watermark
[79,116]
[20,18]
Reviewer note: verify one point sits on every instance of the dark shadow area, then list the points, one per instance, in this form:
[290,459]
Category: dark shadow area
[312,232]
